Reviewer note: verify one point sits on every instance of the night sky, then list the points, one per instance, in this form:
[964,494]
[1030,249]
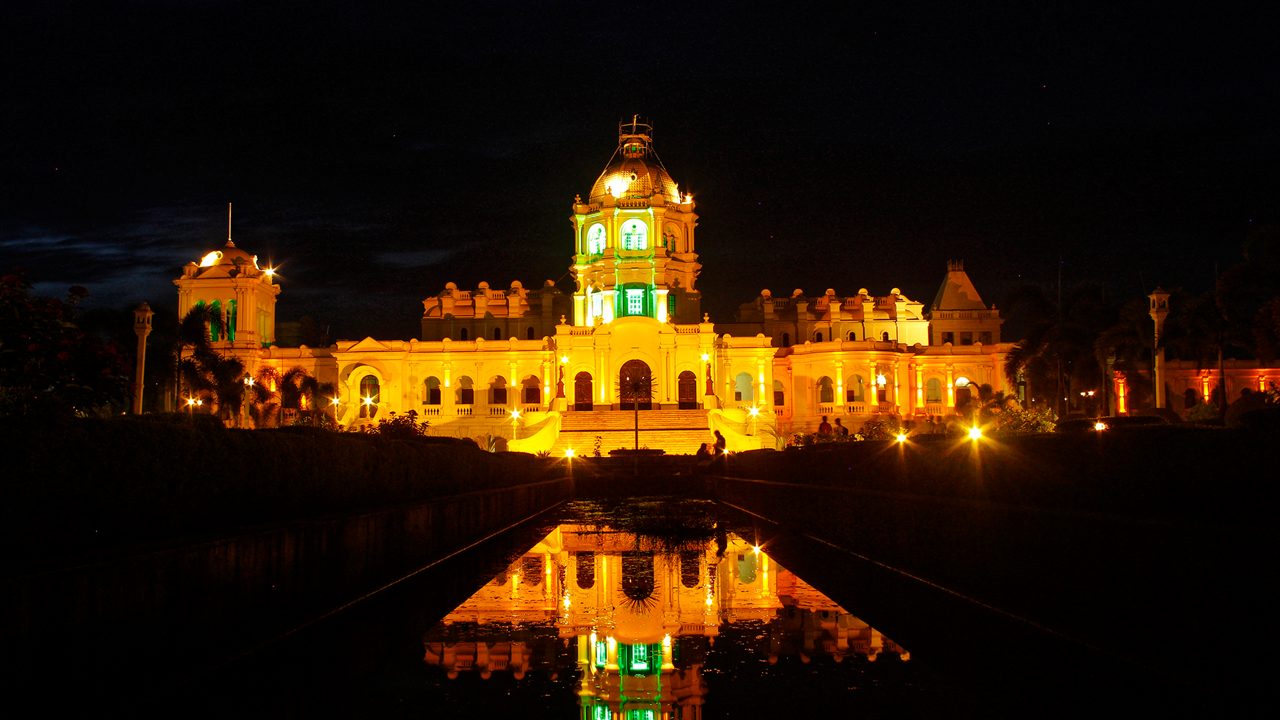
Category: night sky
[376,153]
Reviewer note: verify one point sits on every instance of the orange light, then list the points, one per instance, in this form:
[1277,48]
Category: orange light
[975,433]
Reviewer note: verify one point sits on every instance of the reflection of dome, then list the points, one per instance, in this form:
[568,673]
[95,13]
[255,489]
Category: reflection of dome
[634,170]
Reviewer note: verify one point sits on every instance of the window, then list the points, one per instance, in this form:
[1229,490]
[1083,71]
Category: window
[595,239]
[966,338]
[431,396]
[948,337]
[933,390]
[369,391]
[462,334]
[817,337]
[779,396]
[602,654]
[985,338]
[640,657]
[635,236]
[826,393]
[497,333]
[528,333]
[635,302]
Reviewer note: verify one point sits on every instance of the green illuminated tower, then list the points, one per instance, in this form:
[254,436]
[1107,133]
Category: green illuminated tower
[634,239]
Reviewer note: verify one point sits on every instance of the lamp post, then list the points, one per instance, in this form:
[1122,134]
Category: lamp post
[142,327]
[334,402]
[1159,310]
[515,424]
[754,412]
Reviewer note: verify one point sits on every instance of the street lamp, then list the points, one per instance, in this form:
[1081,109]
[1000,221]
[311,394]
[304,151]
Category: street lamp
[334,402]
[515,424]
[754,411]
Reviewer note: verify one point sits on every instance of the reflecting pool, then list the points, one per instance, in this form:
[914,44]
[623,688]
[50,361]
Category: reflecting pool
[658,610]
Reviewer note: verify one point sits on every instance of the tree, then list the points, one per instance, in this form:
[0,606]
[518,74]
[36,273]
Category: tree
[1058,353]
[48,363]
[208,375]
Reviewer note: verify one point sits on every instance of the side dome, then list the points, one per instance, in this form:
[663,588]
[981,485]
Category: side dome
[635,171]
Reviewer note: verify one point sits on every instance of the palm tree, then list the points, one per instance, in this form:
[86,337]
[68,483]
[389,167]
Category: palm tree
[1058,350]
[205,372]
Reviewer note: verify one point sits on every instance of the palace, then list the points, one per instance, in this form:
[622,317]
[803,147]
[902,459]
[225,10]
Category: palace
[543,370]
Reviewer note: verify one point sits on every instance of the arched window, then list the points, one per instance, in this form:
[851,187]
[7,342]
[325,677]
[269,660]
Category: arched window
[826,390]
[582,391]
[497,333]
[853,335]
[530,390]
[779,396]
[431,391]
[498,390]
[742,391]
[933,390]
[466,391]
[884,336]
[687,387]
[462,334]
[215,321]
[786,339]
[528,333]
[595,239]
[855,389]
[817,337]
[635,235]
[369,396]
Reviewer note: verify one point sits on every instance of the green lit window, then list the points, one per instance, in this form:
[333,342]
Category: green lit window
[646,714]
[602,654]
[639,657]
[231,320]
[635,302]
[635,235]
[215,323]
[595,239]
[601,712]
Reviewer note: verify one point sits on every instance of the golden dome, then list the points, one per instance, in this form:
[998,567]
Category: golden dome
[635,171]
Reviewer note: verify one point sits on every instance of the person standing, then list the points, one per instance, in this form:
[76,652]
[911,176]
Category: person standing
[720,444]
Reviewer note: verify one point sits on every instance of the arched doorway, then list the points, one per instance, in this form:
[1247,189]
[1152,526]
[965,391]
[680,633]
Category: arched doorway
[635,386]
[687,387]
[582,391]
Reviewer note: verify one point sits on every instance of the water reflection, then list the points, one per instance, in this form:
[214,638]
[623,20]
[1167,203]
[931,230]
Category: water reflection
[627,620]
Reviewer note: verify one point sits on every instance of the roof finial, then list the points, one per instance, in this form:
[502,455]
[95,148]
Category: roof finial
[229,226]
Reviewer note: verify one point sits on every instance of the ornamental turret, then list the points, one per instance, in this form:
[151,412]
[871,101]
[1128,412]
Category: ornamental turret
[230,283]
[634,239]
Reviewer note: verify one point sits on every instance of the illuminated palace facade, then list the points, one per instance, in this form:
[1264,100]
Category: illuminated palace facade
[542,368]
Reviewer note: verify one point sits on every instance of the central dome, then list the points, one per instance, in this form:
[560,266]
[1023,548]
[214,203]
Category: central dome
[635,171]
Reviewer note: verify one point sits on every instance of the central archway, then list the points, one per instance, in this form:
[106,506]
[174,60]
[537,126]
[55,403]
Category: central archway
[635,386]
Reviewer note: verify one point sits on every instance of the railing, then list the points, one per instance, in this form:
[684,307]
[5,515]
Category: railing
[826,409]
[463,410]
[526,409]
[933,408]
[855,408]
[431,411]
[497,411]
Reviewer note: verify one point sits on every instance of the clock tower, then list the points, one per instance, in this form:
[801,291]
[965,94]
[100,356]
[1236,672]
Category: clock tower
[634,239]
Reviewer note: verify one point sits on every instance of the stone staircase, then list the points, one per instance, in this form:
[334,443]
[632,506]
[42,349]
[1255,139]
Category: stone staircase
[678,432]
